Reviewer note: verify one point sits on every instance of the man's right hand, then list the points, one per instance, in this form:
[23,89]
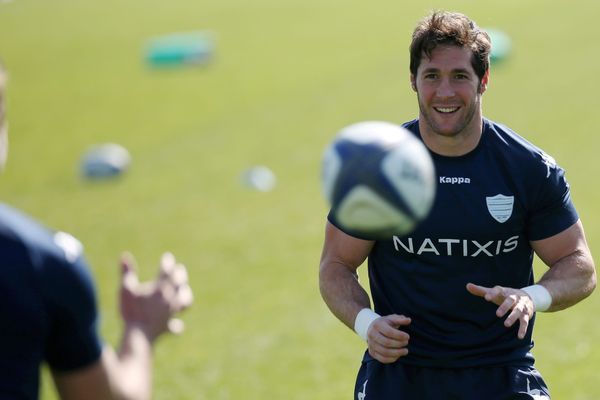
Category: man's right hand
[152,305]
[387,342]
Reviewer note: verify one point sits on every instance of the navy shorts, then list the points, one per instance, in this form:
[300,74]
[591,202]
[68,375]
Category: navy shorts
[377,381]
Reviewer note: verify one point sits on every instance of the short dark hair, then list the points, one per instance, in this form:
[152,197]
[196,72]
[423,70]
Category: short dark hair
[450,28]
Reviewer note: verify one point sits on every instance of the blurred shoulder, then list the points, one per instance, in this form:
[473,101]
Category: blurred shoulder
[26,241]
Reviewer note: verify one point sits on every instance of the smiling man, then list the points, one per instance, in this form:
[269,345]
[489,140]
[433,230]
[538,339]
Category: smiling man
[455,300]
[449,93]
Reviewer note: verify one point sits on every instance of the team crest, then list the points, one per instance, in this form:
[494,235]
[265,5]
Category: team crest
[500,207]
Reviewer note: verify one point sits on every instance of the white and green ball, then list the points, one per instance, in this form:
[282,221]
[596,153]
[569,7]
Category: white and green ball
[378,178]
[501,45]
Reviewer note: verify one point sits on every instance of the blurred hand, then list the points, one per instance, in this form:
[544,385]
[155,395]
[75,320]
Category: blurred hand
[151,305]
[516,301]
[387,343]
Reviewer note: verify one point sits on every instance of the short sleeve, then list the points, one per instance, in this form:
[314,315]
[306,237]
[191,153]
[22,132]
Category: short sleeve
[553,210]
[73,340]
[333,220]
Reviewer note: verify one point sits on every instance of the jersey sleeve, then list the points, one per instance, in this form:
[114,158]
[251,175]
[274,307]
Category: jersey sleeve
[553,210]
[73,340]
[333,220]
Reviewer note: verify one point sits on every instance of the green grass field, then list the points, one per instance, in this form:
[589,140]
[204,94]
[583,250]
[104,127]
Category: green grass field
[286,76]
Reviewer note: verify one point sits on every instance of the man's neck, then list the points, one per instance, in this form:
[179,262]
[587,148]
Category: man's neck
[455,145]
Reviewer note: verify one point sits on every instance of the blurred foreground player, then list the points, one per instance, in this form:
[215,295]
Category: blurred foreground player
[48,312]
[455,300]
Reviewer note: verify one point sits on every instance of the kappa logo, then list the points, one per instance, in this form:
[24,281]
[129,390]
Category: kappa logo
[549,161]
[454,180]
[500,207]
[536,393]
[71,247]
[363,395]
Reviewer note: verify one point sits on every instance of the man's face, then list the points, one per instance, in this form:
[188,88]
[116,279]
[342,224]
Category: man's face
[449,91]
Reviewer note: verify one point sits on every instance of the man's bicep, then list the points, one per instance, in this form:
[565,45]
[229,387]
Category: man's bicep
[87,383]
[341,248]
[563,244]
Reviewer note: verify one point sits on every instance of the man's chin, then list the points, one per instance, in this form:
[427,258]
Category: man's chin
[446,132]
[442,128]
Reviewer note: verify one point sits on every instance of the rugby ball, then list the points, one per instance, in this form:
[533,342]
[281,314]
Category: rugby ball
[105,161]
[378,178]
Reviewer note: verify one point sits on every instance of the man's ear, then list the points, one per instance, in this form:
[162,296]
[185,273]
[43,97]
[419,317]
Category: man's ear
[413,82]
[484,82]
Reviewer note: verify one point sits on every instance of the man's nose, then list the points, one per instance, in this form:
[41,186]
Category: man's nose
[445,88]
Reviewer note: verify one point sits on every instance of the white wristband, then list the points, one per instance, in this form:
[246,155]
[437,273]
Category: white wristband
[542,299]
[363,320]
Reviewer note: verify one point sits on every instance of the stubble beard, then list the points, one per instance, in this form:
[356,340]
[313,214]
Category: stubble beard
[460,127]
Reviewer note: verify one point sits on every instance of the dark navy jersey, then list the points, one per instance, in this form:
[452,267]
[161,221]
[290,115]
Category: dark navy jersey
[47,305]
[489,205]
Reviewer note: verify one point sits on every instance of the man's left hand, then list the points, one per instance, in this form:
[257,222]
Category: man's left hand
[516,301]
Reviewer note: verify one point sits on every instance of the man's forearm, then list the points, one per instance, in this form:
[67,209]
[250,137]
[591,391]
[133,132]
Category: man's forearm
[125,374]
[570,280]
[342,292]
[129,369]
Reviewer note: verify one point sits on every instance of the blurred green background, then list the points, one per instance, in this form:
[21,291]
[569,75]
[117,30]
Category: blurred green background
[286,76]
